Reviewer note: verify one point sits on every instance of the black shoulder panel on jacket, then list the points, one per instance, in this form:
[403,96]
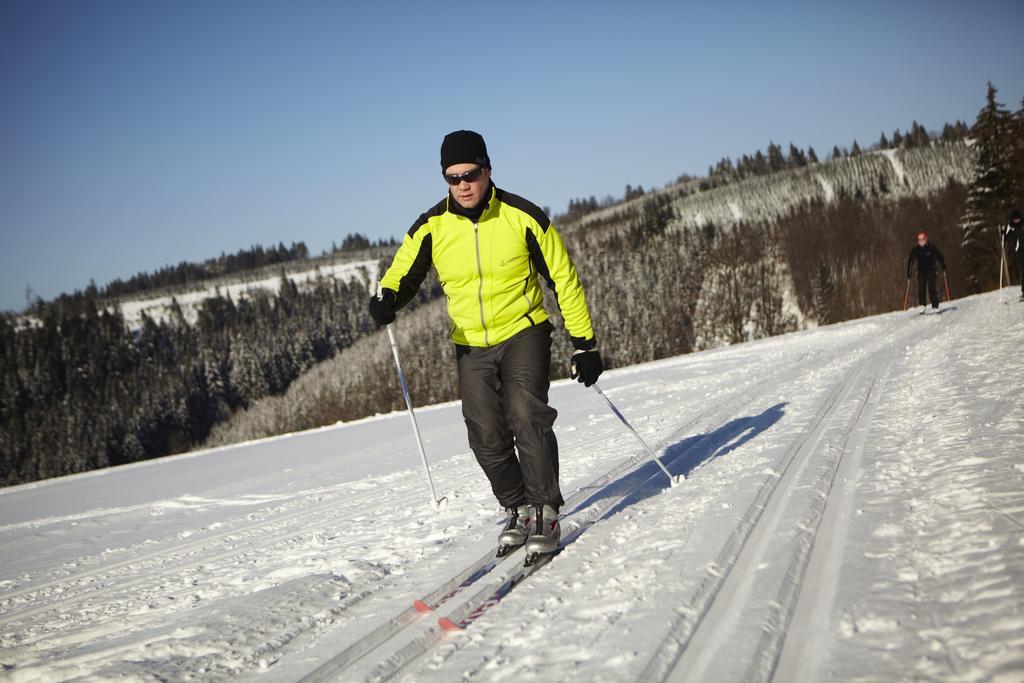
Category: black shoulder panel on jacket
[410,283]
[527,207]
[537,257]
[435,210]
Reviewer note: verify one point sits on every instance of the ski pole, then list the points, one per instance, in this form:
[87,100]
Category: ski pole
[1004,265]
[622,418]
[906,295]
[412,416]
[1002,260]
[945,279]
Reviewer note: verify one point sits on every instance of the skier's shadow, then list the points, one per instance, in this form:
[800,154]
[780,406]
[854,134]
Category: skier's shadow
[683,457]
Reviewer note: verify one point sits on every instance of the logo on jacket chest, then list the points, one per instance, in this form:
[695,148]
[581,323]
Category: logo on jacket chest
[510,260]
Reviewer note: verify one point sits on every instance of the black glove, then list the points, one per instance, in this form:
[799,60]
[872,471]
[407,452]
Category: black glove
[586,366]
[382,309]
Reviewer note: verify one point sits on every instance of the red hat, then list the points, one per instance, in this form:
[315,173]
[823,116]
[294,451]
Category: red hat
[922,236]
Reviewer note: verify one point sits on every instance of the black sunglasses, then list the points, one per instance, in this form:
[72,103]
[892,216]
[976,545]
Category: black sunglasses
[469,176]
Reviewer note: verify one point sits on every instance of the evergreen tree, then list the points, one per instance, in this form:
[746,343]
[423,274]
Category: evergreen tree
[745,166]
[954,132]
[355,242]
[797,158]
[776,161]
[909,141]
[1016,133]
[824,294]
[760,164]
[634,192]
[918,135]
[989,195]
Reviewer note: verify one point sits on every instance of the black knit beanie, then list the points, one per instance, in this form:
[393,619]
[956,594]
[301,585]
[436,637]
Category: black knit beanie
[464,147]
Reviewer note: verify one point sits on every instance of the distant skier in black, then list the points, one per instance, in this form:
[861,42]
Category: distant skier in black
[1013,235]
[926,255]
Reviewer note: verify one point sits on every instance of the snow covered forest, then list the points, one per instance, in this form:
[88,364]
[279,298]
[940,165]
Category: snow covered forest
[768,244]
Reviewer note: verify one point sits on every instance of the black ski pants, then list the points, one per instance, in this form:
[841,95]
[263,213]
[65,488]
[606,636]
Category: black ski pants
[927,278]
[505,403]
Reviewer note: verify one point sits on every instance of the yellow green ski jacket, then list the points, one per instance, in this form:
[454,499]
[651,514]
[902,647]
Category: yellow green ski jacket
[488,270]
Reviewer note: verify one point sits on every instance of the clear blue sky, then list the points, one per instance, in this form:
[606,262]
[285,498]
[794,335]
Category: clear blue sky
[135,135]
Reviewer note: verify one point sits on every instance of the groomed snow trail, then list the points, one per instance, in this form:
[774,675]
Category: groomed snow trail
[586,506]
[649,601]
[853,510]
[748,570]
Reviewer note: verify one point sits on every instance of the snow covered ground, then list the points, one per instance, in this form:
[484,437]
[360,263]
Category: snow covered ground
[853,510]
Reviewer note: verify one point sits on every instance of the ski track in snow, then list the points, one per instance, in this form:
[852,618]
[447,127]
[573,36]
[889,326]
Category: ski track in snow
[853,510]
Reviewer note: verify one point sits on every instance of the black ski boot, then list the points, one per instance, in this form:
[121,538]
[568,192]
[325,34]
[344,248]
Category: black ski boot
[546,533]
[516,529]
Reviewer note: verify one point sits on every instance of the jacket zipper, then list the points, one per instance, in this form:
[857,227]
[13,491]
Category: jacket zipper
[480,271]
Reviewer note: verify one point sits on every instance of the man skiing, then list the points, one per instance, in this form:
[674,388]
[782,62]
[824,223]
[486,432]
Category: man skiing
[926,255]
[488,246]
[1014,236]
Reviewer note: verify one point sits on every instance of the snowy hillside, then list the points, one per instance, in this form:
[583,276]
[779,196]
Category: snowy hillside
[853,510]
[158,307]
[893,173]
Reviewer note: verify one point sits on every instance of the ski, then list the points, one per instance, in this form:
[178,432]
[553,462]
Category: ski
[486,564]
[589,512]
[473,573]
[573,526]
[496,596]
[477,571]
